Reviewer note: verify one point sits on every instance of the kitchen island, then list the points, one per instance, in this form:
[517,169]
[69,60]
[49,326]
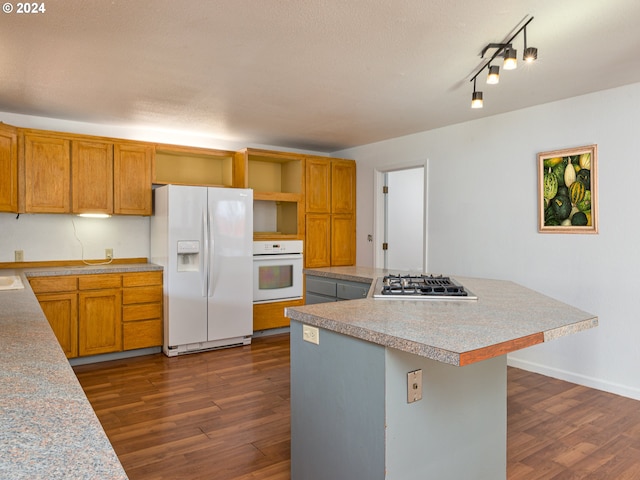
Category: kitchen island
[350,410]
[47,426]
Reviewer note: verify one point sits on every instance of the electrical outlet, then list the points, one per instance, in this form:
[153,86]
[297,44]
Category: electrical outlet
[108,253]
[19,255]
[310,334]
[414,386]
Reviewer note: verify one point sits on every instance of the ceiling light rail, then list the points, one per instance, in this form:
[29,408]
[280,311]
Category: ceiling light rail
[510,62]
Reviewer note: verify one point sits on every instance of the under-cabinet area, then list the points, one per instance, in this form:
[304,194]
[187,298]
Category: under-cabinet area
[94,314]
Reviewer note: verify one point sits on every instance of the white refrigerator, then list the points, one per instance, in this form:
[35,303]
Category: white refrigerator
[203,237]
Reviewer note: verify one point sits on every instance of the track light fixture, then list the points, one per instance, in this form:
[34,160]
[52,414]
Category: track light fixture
[509,54]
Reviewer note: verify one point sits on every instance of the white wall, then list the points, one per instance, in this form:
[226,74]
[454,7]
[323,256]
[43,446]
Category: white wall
[63,237]
[482,221]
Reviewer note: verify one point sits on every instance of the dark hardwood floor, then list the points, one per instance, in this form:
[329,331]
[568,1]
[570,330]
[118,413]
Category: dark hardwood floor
[224,415]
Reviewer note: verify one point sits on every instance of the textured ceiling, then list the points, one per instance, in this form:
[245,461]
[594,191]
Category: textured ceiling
[315,74]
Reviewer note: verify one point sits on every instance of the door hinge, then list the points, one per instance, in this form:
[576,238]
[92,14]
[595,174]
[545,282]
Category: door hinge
[385,189]
[385,246]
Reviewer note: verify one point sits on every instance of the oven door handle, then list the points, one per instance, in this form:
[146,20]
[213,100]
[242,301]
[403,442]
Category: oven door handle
[277,257]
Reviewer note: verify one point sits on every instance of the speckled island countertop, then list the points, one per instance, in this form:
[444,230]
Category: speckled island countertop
[505,318]
[48,429]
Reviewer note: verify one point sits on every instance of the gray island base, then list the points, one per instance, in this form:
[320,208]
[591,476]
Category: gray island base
[350,418]
[350,415]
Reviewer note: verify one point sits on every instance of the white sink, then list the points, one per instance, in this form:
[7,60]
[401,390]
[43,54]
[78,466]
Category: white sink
[11,282]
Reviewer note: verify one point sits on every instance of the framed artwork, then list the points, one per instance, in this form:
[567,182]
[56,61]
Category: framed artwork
[568,190]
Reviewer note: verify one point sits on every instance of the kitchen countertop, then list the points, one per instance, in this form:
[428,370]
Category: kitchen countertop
[48,428]
[505,318]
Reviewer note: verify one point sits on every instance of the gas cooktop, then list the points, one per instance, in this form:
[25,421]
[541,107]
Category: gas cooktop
[421,287]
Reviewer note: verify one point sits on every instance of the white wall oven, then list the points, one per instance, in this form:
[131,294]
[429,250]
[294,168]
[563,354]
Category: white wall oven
[277,270]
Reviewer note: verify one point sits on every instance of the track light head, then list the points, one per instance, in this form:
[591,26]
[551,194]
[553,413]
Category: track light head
[494,75]
[510,58]
[530,54]
[476,100]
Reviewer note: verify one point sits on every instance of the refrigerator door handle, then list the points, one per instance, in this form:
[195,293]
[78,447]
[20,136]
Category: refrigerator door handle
[212,251]
[204,270]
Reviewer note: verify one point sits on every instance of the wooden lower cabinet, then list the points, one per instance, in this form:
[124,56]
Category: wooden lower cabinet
[99,322]
[61,310]
[271,315]
[102,313]
[142,310]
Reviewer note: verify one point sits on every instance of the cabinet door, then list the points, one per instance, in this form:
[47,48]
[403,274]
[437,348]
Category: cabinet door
[61,310]
[318,186]
[92,177]
[132,179]
[343,240]
[100,321]
[317,248]
[343,186]
[47,174]
[8,169]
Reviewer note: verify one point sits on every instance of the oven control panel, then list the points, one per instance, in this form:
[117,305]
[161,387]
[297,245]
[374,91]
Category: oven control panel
[277,247]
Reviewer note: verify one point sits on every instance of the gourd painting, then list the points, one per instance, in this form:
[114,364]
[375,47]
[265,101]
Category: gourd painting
[568,190]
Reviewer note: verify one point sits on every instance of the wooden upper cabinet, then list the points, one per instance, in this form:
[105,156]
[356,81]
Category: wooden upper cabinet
[317,246]
[343,240]
[47,173]
[8,169]
[318,186]
[343,186]
[132,179]
[92,176]
[330,236]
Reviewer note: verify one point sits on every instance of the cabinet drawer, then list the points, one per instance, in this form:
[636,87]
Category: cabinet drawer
[141,279]
[351,291]
[96,282]
[312,298]
[145,311]
[142,295]
[321,286]
[62,283]
[143,334]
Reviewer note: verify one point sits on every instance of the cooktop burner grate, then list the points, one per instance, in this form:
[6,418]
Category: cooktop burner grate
[421,286]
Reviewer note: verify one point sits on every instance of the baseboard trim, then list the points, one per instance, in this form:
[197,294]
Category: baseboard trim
[584,380]
[106,357]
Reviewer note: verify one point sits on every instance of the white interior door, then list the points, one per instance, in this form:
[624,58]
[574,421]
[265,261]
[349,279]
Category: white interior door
[404,219]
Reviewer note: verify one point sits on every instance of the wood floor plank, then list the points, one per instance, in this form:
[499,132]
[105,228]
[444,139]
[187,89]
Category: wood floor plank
[225,414]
